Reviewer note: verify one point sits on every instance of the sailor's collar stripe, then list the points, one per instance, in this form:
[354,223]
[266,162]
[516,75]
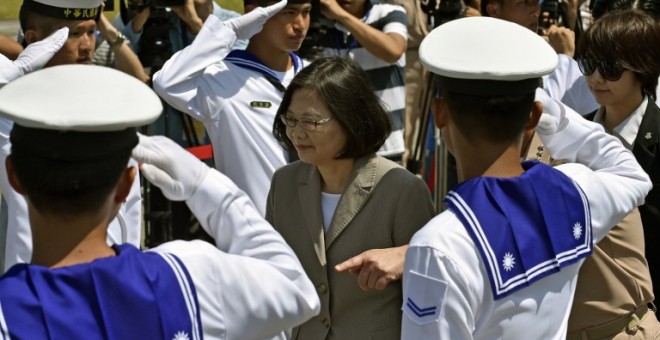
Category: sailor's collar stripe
[500,286]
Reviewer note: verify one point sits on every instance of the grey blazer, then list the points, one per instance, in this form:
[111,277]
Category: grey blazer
[383,206]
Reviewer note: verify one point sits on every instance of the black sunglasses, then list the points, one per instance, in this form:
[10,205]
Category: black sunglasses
[609,71]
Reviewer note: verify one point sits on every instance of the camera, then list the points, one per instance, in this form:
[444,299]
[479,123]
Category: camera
[555,13]
[139,5]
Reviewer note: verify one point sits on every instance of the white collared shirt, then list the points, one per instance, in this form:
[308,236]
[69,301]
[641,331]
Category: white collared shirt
[627,130]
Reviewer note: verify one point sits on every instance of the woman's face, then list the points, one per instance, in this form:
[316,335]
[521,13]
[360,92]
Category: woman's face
[612,93]
[321,146]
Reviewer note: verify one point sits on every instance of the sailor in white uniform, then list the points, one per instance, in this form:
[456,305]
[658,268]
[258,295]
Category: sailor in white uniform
[502,261]
[250,285]
[235,94]
[15,235]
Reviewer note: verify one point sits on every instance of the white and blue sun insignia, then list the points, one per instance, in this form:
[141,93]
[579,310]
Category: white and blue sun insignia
[508,262]
[181,335]
[577,230]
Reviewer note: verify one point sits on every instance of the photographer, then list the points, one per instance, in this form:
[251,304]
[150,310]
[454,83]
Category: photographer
[375,36]
[167,26]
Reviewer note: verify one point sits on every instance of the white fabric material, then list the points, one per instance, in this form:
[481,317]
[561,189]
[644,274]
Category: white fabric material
[613,183]
[34,57]
[198,82]
[528,56]
[102,99]
[627,130]
[568,85]
[329,205]
[251,286]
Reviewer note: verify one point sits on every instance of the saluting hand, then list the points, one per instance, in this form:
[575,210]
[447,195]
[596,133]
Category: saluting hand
[376,268]
[34,57]
[168,166]
[252,22]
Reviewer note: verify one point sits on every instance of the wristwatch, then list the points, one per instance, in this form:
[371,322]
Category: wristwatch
[118,40]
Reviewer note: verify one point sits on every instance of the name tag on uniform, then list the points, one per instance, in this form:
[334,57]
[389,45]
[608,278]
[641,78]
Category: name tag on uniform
[261,105]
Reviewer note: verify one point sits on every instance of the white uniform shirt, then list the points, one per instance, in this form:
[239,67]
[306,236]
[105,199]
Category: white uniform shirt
[18,242]
[227,98]
[444,269]
[252,285]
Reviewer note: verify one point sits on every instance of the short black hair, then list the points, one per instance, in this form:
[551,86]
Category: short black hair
[350,97]
[494,118]
[650,7]
[29,20]
[68,188]
[625,37]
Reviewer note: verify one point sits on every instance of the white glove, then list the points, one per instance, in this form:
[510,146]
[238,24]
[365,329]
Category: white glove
[34,57]
[553,118]
[168,166]
[251,23]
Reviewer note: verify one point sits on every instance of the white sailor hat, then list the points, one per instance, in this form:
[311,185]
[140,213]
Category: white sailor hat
[77,112]
[486,56]
[65,9]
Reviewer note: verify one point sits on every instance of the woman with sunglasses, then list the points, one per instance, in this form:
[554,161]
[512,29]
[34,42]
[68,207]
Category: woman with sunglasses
[343,209]
[618,55]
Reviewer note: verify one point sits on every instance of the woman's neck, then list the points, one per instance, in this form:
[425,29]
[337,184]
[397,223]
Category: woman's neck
[335,176]
[615,114]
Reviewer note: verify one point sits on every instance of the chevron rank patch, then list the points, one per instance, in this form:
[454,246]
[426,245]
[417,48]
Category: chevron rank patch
[261,105]
[425,298]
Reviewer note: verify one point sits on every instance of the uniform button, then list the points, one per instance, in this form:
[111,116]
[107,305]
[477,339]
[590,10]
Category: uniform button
[326,322]
[322,288]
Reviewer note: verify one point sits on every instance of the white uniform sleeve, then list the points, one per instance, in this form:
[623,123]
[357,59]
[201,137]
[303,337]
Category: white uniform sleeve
[568,85]
[607,172]
[435,282]
[178,80]
[131,215]
[258,286]
[18,242]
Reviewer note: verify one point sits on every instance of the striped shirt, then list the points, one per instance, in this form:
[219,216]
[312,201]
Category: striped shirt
[388,79]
